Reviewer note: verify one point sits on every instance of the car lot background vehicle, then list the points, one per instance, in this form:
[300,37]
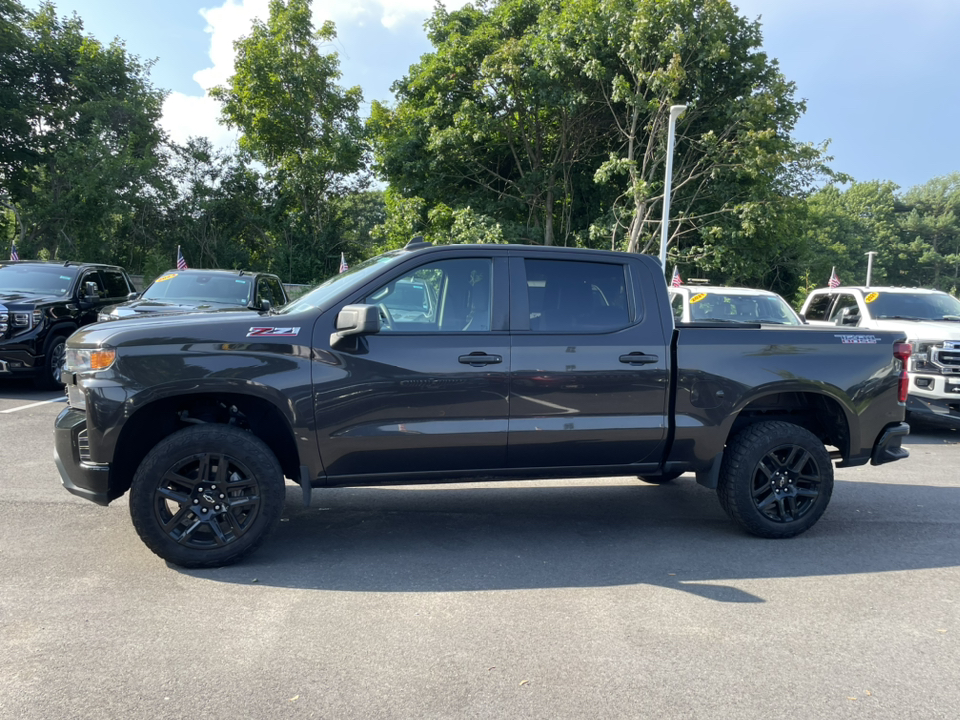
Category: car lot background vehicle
[42,303]
[695,303]
[194,290]
[931,321]
[534,362]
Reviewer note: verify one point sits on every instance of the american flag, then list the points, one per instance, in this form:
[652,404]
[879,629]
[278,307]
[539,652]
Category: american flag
[834,280]
[343,263]
[181,263]
[676,282]
[14,255]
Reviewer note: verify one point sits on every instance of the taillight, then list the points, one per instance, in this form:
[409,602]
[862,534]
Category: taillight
[902,352]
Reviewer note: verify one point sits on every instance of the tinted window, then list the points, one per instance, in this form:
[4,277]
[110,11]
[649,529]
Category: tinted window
[676,304]
[116,285]
[843,302]
[450,295]
[817,310]
[269,289]
[209,287]
[570,297]
[44,279]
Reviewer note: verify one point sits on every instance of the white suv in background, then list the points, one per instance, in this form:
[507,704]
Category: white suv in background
[709,303]
[931,321]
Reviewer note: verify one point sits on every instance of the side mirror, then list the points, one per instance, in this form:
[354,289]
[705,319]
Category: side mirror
[265,305]
[355,320]
[133,296]
[90,293]
[849,316]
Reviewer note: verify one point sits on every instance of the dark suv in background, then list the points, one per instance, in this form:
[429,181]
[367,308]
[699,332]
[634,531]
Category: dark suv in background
[187,291]
[42,303]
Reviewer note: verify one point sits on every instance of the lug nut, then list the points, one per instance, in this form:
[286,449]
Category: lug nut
[195,501]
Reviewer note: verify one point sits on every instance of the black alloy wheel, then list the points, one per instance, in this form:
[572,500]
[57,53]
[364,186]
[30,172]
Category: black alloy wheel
[206,496]
[776,479]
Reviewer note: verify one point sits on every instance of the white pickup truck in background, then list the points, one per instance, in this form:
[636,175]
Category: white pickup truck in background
[931,321]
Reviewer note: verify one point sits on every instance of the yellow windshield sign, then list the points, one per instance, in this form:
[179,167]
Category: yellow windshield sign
[871,297]
[698,297]
[164,278]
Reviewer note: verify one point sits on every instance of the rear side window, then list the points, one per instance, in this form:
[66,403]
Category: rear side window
[116,284]
[572,297]
[817,310]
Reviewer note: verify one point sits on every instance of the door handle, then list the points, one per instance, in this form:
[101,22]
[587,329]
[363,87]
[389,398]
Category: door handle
[639,358]
[479,359]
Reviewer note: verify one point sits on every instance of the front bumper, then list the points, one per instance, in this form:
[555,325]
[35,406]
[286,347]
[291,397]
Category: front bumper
[85,479]
[939,411]
[15,362]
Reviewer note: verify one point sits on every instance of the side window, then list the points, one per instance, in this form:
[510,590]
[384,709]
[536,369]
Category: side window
[817,310]
[277,289]
[676,304]
[267,290]
[116,285]
[444,296]
[88,277]
[572,297]
[843,302]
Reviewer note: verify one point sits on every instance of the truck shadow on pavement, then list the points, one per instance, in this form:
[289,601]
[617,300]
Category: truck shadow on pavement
[475,538]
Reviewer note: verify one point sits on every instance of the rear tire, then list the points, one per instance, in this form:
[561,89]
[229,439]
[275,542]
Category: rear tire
[776,479]
[206,496]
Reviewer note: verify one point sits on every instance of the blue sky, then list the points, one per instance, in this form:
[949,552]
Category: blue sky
[881,77]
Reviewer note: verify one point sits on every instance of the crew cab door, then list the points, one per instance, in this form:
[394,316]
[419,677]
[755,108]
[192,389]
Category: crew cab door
[428,393]
[590,361]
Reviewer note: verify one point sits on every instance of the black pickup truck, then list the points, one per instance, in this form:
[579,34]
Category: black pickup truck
[448,363]
[42,303]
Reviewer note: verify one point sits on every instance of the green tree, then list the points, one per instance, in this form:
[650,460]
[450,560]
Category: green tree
[303,127]
[928,253]
[81,150]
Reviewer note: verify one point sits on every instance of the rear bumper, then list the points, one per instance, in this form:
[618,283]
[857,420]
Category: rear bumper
[887,448]
[88,480]
[939,411]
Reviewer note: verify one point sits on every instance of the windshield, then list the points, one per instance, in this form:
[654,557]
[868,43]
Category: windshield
[200,287]
[742,308]
[355,275]
[37,279]
[913,306]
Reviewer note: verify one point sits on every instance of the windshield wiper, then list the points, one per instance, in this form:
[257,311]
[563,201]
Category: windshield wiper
[951,318]
[900,317]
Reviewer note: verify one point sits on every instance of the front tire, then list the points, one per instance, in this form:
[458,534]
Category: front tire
[206,496]
[776,479]
[54,353]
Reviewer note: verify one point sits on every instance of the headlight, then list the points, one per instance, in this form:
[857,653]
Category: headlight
[103,317]
[81,360]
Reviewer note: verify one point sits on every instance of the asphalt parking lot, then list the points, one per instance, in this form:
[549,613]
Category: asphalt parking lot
[553,599]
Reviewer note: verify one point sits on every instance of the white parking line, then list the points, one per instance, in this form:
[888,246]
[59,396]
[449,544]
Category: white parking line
[31,405]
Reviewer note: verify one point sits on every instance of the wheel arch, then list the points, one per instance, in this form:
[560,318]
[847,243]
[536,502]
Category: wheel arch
[152,422]
[819,412]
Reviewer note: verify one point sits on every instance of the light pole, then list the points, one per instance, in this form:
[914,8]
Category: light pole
[870,265]
[675,112]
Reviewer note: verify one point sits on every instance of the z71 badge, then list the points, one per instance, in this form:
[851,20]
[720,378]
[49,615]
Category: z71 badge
[273,332]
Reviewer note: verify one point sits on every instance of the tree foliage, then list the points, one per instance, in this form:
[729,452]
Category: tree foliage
[81,142]
[303,127]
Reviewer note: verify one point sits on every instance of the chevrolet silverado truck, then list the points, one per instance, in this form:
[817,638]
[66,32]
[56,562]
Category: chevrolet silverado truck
[930,319]
[42,303]
[458,362]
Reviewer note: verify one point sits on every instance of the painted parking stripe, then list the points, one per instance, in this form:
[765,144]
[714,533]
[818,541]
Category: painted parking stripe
[33,405]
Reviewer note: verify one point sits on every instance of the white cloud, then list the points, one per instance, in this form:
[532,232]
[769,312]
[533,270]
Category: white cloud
[186,115]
